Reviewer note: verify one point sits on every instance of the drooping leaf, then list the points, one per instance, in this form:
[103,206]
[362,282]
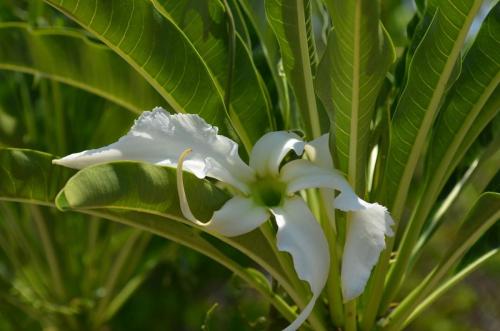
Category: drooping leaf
[32,178]
[288,19]
[350,75]
[160,52]
[70,57]
[431,68]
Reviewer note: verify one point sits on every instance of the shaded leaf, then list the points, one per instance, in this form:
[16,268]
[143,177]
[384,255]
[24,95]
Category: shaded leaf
[70,57]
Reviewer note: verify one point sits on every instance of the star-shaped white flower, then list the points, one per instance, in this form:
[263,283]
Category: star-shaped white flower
[266,187]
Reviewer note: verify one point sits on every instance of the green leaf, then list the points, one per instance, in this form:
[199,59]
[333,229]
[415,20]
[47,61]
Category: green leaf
[431,68]
[32,178]
[358,55]
[150,189]
[208,19]
[480,76]
[159,51]
[484,214]
[141,187]
[450,283]
[70,57]
[255,12]
[29,176]
[288,19]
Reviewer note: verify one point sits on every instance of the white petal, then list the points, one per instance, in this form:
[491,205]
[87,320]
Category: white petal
[158,137]
[300,235]
[270,150]
[318,151]
[302,174]
[364,243]
[238,216]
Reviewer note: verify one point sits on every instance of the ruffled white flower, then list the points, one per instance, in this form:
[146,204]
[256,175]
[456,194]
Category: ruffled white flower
[265,188]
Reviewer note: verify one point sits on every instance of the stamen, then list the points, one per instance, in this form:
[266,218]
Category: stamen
[186,211]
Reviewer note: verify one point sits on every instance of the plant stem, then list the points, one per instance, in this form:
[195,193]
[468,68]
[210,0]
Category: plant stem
[350,315]
[333,290]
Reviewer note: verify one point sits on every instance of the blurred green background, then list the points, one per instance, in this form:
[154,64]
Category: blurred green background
[72,272]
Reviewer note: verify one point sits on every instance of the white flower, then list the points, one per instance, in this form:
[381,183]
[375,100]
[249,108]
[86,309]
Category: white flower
[265,188]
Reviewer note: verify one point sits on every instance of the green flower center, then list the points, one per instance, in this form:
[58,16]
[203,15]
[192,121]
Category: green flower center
[268,192]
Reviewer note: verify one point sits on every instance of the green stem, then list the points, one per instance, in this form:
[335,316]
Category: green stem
[350,316]
[333,289]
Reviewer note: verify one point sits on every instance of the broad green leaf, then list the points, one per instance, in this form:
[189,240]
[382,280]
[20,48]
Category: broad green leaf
[431,68]
[479,79]
[358,55]
[31,178]
[160,52]
[70,57]
[289,20]
[141,187]
[205,24]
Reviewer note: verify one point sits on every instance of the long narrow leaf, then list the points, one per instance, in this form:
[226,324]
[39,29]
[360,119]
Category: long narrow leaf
[70,57]
[289,18]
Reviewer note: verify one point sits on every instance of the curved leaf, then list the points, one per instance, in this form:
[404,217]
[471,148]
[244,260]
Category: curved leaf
[158,50]
[150,189]
[483,85]
[358,55]
[480,76]
[431,68]
[31,177]
[207,18]
[70,57]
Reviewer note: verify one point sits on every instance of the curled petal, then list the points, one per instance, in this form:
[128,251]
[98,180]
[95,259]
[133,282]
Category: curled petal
[300,235]
[270,150]
[318,151]
[364,243]
[237,216]
[303,174]
[158,137]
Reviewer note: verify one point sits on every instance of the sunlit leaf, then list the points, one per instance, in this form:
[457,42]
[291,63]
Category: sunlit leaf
[350,75]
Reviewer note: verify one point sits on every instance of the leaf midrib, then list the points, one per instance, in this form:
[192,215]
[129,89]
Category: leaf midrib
[353,135]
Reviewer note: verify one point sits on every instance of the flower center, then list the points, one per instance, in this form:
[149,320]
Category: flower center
[268,192]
